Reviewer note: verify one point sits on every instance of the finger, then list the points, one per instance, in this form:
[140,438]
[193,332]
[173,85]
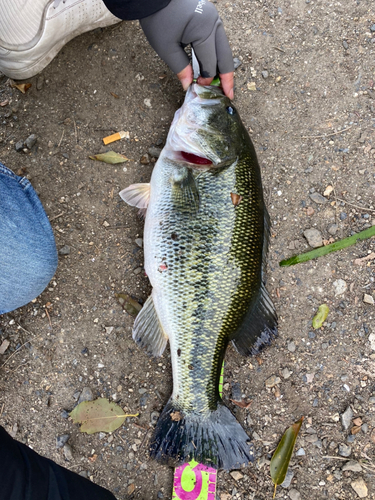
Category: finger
[227,82]
[204,81]
[186,76]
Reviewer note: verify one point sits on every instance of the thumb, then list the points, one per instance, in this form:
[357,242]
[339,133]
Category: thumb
[186,76]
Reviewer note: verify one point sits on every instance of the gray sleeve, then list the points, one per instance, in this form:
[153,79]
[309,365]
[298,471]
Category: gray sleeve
[194,22]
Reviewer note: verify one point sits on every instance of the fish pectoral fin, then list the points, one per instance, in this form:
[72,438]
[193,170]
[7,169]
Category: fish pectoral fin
[184,190]
[136,195]
[147,330]
[259,326]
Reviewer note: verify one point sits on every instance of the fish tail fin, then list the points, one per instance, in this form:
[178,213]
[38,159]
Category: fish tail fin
[216,439]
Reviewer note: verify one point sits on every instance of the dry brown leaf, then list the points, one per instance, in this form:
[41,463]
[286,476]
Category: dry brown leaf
[360,261]
[22,87]
[242,403]
[236,199]
[115,95]
[176,416]
[93,458]
[356,429]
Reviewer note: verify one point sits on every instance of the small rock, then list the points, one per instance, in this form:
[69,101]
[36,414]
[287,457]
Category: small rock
[318,198]
[332,229]
[288,479]
[40,82]
[372,28]
[357,421]
[313,237]
[328,190]
[61,440]
[286,373]
[300,453]
[291,346]
[137,270]
[353,466]
[294,494]
[154,151]
[68,452]
[31,141]
[84,473]
[236,391]
[345,45]
[19,146]
[359,486]
[147,103]
[371,339]
[364,428]
[139,242]
[236,62]
[145,159]
[344,450]
[65,250]
[368,299]
[265,74]
[343,215]
[346,418]
[340,287]
[310,211]
[272,381]
[154,417]
[86,395]
[236,475]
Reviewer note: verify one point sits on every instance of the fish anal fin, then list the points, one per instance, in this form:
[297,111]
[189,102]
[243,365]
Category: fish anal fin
[136,195]
[147,330]
[259,326]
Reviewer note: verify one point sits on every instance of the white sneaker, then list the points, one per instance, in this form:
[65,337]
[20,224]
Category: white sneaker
[33,31]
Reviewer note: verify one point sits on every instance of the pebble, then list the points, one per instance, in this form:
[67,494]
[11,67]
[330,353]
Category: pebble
[154,151]
[68,452]
[19,146]
[86,395]
[318,198]
[137,270]
[31,141]
[286,373]
[61,440]
[294,494]
[154,417]
[236,62]
[371,339]
[272,381]
[310,211]
[353,466]
[332,229]
[359,486]
[372,399]
[300,453]
[368,299]
[344,450]
[372,28]
[40,82]
[343,215]
[313,237]
[65,250]
[288,479]
[345,45]
[340,287]
[265,74]
[291,346]
[346,418]
[139,242]
[236,391]
[364,428]
[236,475]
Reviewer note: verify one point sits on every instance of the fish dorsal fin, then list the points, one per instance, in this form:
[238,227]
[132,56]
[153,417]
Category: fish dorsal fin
[147,330]
[136,195]
[185,195]
[259,326]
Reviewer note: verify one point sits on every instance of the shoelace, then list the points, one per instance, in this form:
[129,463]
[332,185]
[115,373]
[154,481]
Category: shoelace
[56,3]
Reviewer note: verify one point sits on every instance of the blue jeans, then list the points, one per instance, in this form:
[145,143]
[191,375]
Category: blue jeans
[28,256]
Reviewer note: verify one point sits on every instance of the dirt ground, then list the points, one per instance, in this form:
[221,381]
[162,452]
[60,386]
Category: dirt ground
[305,90]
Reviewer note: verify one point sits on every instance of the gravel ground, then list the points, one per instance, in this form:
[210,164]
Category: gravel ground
[305,91]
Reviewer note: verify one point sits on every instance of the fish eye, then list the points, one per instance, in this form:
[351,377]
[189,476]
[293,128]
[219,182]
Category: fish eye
[231,110]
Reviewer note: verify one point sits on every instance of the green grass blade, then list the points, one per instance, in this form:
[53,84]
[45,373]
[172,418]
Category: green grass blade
[333,247]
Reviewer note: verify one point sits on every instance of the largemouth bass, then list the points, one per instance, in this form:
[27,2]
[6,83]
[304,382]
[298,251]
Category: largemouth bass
[205,242]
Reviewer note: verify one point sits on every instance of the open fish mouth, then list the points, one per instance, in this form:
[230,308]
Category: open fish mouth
[195,159]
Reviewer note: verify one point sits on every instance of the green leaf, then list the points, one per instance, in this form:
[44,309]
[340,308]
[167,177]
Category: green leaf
[333,247]
[281,458]
[111,157]
[130,305]
[320,316]
[98,416]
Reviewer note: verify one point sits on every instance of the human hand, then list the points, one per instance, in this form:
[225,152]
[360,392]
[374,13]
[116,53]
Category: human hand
[194,22]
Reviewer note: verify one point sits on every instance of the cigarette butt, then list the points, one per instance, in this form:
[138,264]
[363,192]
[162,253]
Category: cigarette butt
[115,137]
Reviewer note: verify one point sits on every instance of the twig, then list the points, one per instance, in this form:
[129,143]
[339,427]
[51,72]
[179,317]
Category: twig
[336,458]
[2,409]
[15,352]
[49,318]
[281,50]
[75,130]
[356,206]
[27,331]
[325,135]
[62,136]
[56,216]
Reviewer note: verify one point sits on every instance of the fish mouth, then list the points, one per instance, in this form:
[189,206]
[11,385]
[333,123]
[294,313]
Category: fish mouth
[195,159]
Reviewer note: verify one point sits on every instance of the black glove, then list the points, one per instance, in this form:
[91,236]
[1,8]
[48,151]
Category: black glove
[194,22]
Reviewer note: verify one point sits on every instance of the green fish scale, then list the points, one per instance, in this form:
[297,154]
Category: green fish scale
[213,271]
